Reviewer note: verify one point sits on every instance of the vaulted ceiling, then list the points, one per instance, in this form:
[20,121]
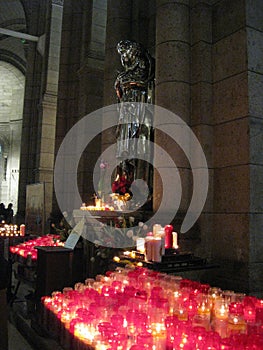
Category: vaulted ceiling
[13,17]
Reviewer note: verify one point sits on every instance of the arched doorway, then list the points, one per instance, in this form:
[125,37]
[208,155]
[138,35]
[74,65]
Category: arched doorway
[11,113]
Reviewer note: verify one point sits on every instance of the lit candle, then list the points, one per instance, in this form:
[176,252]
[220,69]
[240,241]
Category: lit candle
[161,234]
[133,254]
[22,230]
[83,206]
[259,311]
[204,309]
[236,322]
[140,245]
[116,259]
[175,242]
[220,320]
[221,310]
[249,313]
[156,228]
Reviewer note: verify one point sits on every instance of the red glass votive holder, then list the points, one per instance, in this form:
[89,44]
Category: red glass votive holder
[226,344]
[145,339]
[259,311]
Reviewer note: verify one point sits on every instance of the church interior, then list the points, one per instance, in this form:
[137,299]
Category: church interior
[60,67]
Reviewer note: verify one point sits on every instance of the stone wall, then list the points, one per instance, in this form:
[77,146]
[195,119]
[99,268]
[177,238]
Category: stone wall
[231,144]
[254,15]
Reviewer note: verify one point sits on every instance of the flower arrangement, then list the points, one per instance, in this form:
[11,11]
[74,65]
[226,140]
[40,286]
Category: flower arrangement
[121,232]
[121,185]
[101,185]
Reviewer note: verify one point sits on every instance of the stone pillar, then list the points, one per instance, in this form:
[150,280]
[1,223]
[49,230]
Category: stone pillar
[15,140]
[232,195]
[30,135]
[119,26]
[254,15]
[91,76]
[48,105]
[201,111]
[172,89]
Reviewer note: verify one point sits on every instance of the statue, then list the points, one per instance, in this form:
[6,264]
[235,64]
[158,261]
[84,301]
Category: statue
[134,84]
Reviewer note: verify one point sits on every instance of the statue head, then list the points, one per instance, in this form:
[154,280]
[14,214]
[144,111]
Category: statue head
[129,51]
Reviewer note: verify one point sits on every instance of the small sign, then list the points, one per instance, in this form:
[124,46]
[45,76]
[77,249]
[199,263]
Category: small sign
[76,232]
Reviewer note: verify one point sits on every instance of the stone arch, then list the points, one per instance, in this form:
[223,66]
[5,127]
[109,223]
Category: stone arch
[11,115]
[12,50]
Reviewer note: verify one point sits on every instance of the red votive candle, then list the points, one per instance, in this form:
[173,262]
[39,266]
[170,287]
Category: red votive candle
[168,230]
[259,311]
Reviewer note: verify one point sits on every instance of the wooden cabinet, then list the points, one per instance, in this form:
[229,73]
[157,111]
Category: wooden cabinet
[58,267]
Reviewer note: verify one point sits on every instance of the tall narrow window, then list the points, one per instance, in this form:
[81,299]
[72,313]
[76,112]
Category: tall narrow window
[5,168]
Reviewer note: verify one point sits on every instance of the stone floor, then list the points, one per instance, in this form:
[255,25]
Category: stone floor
[15,339]
[21,335]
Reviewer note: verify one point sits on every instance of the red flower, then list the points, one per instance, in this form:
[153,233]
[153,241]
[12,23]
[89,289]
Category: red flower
[121,185]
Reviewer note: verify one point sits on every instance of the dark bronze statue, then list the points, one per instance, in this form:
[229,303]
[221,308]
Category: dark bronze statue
[134,84]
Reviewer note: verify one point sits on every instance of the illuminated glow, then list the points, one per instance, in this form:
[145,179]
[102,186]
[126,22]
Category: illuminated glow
[27,249]
[125,316]
[116,259]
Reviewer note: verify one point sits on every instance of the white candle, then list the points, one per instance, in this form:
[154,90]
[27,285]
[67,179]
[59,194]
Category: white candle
[140,245]
[22,230]
[175,236]
[156,228]
[161,234]
[148,248]
[157,249]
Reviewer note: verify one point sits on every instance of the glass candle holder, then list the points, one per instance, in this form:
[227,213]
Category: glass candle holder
[236,322]
[145,340]
[228,296]
[259,311]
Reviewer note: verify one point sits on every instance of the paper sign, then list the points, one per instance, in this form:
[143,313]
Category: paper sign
[76,232]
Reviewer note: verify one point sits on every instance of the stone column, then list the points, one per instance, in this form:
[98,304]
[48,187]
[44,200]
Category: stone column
[254,15]
[48,105]
[172,87]
[201,111]
[119,27]
[91,76]
[30,134]
[232,195]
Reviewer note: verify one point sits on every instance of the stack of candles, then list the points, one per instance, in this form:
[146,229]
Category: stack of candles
[27,249]
[131,309]
[155,243]
[98,207]
[10,230]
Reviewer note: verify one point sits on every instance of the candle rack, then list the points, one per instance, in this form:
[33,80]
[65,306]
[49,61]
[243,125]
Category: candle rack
[173,261]
[130,308]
